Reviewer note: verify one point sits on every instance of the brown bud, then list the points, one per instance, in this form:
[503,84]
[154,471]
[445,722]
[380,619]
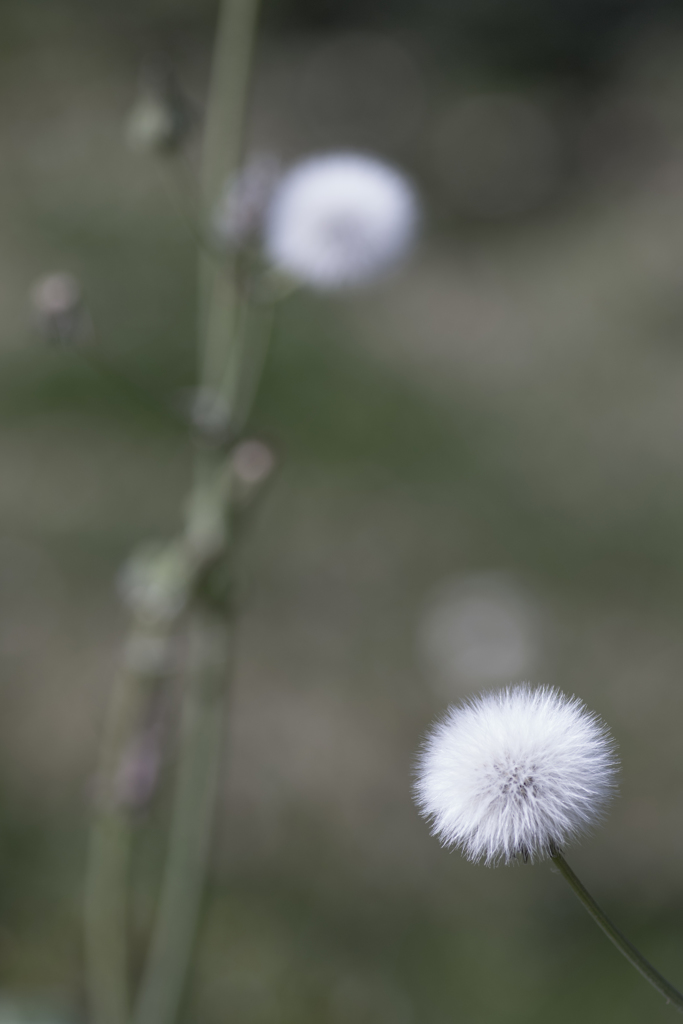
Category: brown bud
[253,462]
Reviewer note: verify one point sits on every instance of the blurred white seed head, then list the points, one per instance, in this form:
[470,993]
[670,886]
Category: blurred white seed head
[239,214]
[515,772]
[57,308]
[340,220]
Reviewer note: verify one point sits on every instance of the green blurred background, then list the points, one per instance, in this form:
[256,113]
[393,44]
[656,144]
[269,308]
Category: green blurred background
[482,482]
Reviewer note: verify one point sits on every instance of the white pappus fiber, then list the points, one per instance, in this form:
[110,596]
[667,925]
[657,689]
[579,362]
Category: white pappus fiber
[515,772]
[339,220]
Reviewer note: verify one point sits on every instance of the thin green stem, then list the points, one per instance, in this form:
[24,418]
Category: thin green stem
[634,956]
[230,382]
[202,731]
[222,153]
[105,910]
[228,92]
[222,319]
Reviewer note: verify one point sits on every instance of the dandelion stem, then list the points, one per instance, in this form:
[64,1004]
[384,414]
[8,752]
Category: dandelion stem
[635,958]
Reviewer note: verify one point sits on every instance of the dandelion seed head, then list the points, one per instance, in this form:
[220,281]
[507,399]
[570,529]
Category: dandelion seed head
[515,772]
[339,220]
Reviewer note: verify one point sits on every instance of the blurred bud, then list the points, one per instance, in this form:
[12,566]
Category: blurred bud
[138,772]
[253,462]
[160,117]
[209,414]
[57,307]
[155,582]
[239,214]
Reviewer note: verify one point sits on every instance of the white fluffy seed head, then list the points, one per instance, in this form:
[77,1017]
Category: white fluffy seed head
[339,220]
[515,773]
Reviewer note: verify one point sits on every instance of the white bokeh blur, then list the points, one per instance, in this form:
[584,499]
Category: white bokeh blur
[480,629]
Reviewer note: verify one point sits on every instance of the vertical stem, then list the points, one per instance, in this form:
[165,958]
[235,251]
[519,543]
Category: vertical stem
[634,956]
[202,731]
[228,92]
[105,918]
[222,153]
[221,318]
[107,870]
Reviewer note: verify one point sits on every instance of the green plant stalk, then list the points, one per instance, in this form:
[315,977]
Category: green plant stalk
[221,159]
[202,731]
[223,307]
[634,956]
[223,318]
[105,910]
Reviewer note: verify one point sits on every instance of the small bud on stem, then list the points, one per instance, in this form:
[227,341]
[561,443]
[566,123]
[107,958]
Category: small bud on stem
[58,310]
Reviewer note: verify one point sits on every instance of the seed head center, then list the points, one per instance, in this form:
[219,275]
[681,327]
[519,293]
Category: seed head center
[517,781]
